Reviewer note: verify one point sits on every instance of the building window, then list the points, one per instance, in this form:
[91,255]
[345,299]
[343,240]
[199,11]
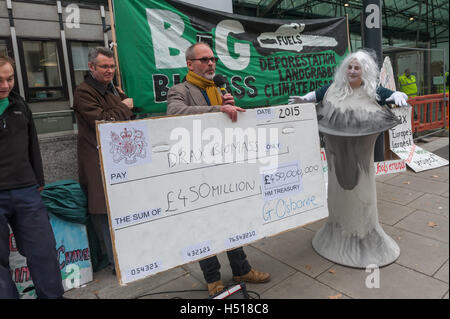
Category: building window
[4,48]
[43,78]
[79,52]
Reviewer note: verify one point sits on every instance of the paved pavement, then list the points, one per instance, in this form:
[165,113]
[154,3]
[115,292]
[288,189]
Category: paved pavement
[413,209]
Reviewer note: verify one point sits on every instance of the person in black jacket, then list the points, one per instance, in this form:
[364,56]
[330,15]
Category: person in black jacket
[21,206]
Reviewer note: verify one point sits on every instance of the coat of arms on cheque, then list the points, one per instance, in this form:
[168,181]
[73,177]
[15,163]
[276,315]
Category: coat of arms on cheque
[128,145]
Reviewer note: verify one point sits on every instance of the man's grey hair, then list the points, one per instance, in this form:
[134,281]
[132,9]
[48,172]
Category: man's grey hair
[190,53]
[94,52]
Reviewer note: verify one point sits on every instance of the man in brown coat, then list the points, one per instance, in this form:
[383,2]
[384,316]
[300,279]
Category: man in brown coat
[96,99]
[197,95]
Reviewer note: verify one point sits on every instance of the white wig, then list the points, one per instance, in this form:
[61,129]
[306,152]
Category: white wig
[370,75]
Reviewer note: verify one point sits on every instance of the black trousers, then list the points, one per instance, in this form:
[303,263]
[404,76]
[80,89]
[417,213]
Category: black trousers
[238,262]
[25,212]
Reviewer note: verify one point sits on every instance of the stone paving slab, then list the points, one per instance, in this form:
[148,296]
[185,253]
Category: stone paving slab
[405,212]
[390,213]
[439,174]
[294,248]
[442,274]
[421,222]
[316,225]
[431,203]
[395,282]
[419,253]
[300,286]
[140,287]
[418,184]
[101,279]
[177,289]
[396,194]
[257,259]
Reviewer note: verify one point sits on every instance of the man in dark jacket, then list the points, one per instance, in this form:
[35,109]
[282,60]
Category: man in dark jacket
[96,99]
[21,206]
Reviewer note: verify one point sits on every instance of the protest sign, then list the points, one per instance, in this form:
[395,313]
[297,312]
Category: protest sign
[211,184]
[264,60]
[74,258]
[402,144]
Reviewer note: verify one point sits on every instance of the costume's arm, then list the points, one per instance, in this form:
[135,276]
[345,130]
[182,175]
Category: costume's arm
[91,110]
[386,95]
[313,96]
[177,104]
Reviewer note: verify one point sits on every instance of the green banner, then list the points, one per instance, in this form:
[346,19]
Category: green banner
[264,60]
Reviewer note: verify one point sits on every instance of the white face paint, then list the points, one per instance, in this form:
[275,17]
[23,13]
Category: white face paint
[354,73]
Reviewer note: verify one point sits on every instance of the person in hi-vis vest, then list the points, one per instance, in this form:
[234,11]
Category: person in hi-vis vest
[407,84]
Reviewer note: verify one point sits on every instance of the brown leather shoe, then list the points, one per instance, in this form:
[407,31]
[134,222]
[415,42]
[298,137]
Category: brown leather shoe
[215,287]
[253,276]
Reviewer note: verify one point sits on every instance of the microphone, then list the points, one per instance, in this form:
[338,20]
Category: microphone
[220,81]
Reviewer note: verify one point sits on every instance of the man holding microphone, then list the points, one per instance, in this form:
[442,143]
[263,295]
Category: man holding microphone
[199,94]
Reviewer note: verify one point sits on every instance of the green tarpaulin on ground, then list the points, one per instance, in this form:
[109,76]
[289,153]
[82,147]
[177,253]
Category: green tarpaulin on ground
[66,200]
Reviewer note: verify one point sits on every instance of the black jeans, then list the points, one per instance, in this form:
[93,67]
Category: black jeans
[238,262]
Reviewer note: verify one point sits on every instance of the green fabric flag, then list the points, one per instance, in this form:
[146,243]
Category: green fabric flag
[264,60]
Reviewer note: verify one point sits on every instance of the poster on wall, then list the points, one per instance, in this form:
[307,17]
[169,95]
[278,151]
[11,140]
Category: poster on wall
[264,60]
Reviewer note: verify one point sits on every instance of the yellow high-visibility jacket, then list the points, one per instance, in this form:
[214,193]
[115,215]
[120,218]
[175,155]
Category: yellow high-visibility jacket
[408,85]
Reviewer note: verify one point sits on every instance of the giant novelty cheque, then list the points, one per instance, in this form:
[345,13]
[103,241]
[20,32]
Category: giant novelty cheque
[264,60]
[182,188]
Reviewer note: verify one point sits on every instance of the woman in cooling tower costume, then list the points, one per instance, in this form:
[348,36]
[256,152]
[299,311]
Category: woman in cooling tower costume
[351,114]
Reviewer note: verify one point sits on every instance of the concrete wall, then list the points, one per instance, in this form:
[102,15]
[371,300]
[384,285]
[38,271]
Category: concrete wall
[59,156]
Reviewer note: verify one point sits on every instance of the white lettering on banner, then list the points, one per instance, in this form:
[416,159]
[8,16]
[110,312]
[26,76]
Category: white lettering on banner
[166,28]
[289,37]
[373,19]
[223,29]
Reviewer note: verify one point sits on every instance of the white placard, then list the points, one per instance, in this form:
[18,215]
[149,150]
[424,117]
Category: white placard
[201,191]
[389,167]
[401,135]
[419,159]
[402,144]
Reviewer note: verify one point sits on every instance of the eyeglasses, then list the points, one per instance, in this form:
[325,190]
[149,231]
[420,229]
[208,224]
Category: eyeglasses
[106,66]
[206,60]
